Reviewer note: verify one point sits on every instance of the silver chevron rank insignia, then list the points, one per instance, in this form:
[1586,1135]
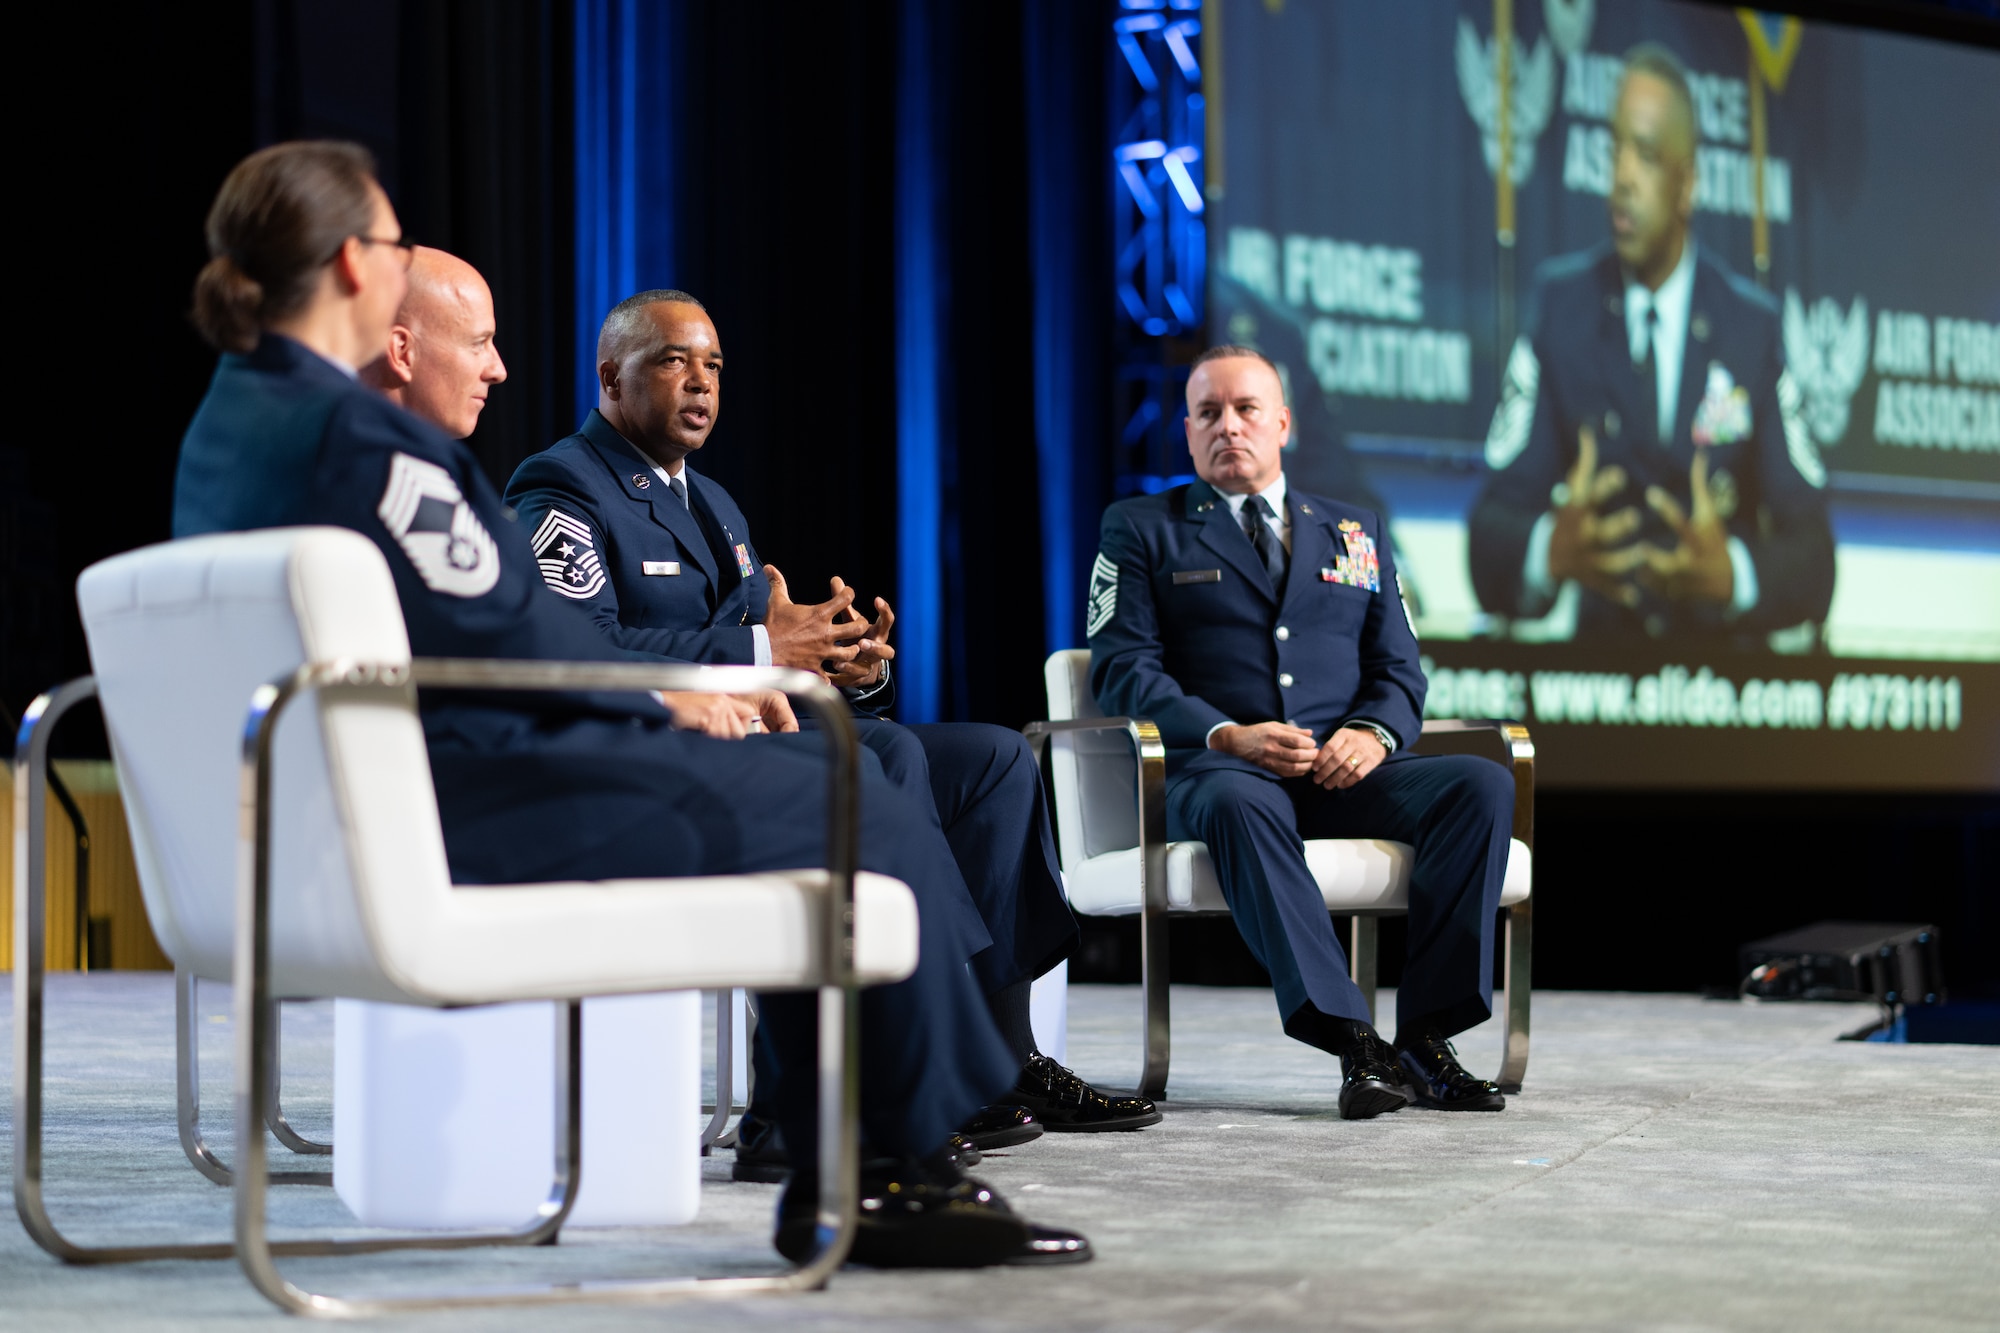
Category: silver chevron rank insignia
[567,553]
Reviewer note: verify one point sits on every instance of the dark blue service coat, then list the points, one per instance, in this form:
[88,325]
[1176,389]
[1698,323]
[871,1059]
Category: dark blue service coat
[1575,369]
[613,538]
[539,787]
[1186,629]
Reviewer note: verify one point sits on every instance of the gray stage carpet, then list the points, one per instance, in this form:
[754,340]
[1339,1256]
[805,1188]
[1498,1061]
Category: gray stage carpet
[1672,1165]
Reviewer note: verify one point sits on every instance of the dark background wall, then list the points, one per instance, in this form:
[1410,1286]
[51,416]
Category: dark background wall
[781,141]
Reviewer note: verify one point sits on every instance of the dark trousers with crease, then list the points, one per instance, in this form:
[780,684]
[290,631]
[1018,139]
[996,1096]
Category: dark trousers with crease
[1455,811]
[985,797]
[527,800]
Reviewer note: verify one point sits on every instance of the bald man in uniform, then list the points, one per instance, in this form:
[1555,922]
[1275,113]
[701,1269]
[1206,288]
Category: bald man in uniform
[446,323]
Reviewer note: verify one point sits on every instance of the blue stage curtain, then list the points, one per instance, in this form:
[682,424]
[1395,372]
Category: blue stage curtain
[1068,254]
[624,122]
[922,388]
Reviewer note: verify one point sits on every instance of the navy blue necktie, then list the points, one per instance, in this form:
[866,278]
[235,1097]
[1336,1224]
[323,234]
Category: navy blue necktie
[1256,514]
[727,576]
[1649,380]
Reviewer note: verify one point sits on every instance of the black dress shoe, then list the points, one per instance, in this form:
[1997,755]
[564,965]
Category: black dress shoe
[761,1158]
[1065,1104]
[760,1153]
[1437,1080]
[1051,1245]
[999,1126]
[1371,1082]
[912,1218]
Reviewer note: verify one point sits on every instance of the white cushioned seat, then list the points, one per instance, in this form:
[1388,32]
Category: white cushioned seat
[1354,875]
[363,906]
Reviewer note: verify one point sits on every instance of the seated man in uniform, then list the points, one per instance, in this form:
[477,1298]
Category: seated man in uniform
[1672,493]
[661,559]
[308,268]
[1261,628]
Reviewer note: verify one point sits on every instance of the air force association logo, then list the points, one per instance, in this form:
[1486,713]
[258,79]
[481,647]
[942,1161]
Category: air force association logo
[1826,353]
[427,515]
[567,555]
[1103,595]
[1532,99]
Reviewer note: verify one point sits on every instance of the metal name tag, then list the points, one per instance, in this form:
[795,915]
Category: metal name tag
[1197,576]
[659,566]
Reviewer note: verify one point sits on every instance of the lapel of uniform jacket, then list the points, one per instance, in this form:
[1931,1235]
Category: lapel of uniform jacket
[635,475]
[702,491]
[1312,546]
[1220,533]
[1618,374]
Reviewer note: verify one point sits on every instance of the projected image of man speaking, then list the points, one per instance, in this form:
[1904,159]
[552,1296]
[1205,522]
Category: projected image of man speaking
[1651,474]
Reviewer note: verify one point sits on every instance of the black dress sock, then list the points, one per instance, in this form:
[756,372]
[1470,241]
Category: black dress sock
[1336,1036]
[1010,1011]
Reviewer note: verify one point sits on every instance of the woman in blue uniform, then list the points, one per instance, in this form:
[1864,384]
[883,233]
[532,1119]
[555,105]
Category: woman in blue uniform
[308,267]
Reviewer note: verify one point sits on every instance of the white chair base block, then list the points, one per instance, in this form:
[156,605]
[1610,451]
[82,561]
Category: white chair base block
[444,1118]
[1048,1012]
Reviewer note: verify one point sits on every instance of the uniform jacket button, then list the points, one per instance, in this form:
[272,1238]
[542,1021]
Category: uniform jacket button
[1285,679]
[1283,634]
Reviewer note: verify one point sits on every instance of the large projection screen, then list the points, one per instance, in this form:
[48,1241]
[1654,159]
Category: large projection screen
[1839,385]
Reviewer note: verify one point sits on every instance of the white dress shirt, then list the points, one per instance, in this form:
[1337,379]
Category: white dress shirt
[760,637]
[1671,306]
[1280,521]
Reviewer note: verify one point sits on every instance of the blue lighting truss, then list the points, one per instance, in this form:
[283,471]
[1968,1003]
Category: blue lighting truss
[1159,230]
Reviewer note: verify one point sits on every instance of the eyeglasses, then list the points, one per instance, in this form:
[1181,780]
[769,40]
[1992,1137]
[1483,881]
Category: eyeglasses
[407,246]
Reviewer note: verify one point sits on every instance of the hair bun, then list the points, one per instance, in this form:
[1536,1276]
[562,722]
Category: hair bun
[227,304]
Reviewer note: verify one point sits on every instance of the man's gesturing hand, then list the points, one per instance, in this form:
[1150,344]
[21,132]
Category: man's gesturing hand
[1278,746]
[806,637]
[1578,546]
[871,646]
[1348,756]
[1699,568]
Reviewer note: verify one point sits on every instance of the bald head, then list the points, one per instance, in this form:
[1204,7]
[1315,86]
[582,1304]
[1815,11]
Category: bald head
[442,359]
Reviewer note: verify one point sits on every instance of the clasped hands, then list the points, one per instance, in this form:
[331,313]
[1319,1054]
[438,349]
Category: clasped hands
[829,639]
[1586,544]
[1348,756]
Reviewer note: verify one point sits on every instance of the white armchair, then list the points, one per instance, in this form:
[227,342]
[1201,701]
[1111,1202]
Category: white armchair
[339,887]
[1109,779]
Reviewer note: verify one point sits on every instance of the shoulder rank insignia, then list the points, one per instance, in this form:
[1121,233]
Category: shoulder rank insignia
[1358,566]
[1103,600]
[427,515]
[567,554]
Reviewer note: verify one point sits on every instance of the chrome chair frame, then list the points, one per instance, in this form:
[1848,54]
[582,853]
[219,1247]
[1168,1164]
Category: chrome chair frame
[718,1132]
[187,1097]
[255,1007]
[1150,758]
